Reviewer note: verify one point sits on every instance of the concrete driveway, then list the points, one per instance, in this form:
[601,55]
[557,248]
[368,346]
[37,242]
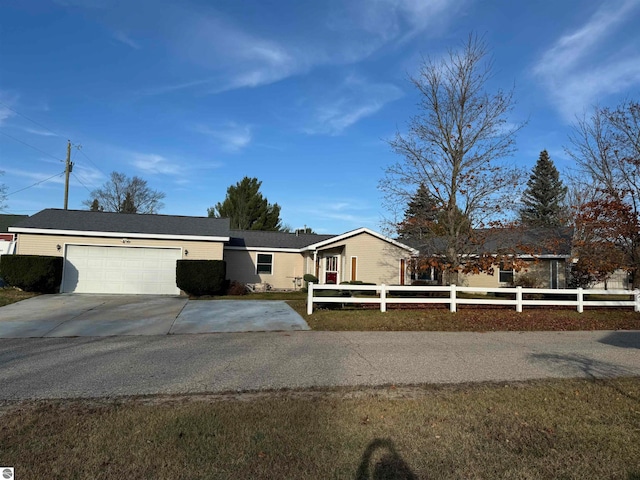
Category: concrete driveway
[111,315]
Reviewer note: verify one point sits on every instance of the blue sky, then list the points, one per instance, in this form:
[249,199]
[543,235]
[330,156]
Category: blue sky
[193,95]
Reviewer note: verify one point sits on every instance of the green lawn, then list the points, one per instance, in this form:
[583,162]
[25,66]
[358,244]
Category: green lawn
[570,429]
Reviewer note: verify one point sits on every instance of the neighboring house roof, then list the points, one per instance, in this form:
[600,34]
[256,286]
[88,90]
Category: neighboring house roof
[108,224]
[7,221]
[251,239]
[538,242]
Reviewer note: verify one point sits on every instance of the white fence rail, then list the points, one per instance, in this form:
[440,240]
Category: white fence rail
[380,295]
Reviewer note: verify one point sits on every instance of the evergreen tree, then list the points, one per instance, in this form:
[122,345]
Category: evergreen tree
[95,206]
[128,206]
[543,197]
[246,208]
[420,216]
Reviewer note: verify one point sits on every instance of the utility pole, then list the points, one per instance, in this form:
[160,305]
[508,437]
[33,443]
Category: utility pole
[68,169]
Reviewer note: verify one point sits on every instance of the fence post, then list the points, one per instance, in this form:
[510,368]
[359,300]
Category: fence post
[580,300]
[383,298]
[519,299]
[310,299]
[453,298]
[637,306]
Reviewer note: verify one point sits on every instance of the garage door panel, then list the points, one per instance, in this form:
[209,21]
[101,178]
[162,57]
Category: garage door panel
[128,270]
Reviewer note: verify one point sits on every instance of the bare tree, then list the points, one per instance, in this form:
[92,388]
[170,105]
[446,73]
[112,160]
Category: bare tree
[606,146]
[452,149]
[122,194]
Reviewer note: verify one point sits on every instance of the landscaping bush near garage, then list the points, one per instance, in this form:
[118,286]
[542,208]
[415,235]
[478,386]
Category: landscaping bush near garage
[202,277]
[32,273]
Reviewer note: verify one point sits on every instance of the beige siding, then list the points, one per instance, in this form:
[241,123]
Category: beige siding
[241,266]
[31,244]
[378,261]
[540,270]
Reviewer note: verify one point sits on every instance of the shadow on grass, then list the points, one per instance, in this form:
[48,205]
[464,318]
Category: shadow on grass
[381,461]
[624,339]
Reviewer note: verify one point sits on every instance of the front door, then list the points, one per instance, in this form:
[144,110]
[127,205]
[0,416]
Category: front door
[331,269]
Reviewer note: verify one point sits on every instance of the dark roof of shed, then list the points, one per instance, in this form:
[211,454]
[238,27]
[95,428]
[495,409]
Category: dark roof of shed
[7,221]
[84,220]
[258,238]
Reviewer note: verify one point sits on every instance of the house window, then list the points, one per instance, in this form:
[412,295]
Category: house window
[332,264]
[264,263]
[506,274]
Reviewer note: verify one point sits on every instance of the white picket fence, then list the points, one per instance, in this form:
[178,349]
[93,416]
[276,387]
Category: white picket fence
[383,298]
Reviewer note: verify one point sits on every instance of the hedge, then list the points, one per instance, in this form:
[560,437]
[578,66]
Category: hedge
[202,277]
[32,273]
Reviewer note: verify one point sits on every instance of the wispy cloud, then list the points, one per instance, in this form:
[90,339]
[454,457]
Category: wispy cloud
[355,99]
[230,51]
[232,137]
[9,100]
[582,66]
[126,39]
[155,164]
[43,133]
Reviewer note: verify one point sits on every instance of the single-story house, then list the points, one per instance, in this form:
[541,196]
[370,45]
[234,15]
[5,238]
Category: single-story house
[544,256]
[7,239]
[128,253]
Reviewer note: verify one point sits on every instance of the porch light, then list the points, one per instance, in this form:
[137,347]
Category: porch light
[186,252]
[58,247]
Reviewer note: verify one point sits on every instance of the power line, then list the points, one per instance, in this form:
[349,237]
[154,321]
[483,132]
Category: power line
[31,146]
[35,184]
[79,148]
[30,119]
[75,176]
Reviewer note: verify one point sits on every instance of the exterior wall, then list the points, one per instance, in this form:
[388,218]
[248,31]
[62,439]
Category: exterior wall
[541,270]
[377,261]
[32,244]
[286,268]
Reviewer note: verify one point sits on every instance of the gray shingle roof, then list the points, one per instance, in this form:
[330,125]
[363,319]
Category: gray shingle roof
[84,220]
[523,241]
[7,221]
[257,238]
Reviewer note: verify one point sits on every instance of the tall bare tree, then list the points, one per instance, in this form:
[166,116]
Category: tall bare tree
[122,194]
[606,146]
[453,149]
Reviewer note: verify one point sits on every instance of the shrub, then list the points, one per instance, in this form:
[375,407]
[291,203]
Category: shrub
[237,288]
[202,277]
[307,277]
[32,273]
[527,280]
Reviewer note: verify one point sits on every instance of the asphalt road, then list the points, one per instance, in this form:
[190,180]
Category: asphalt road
[114,366]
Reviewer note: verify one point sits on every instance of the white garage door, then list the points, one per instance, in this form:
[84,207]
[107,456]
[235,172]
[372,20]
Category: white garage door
[125,270]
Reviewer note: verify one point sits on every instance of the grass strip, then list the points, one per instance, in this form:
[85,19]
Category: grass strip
[571,429]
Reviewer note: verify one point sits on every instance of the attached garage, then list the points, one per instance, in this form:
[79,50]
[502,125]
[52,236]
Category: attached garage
[119,253]
[123,270]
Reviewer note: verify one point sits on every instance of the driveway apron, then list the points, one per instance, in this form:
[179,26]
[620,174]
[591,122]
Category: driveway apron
[208,316]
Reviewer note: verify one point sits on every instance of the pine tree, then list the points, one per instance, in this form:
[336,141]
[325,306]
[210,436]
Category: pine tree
[420,216]
[543,197]
[246,208]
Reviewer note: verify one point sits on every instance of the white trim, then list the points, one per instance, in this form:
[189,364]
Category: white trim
[83,233]
[264,249]
[272,262]
[358,232]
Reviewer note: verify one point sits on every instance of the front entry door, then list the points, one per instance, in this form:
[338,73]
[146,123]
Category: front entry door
[331,270]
